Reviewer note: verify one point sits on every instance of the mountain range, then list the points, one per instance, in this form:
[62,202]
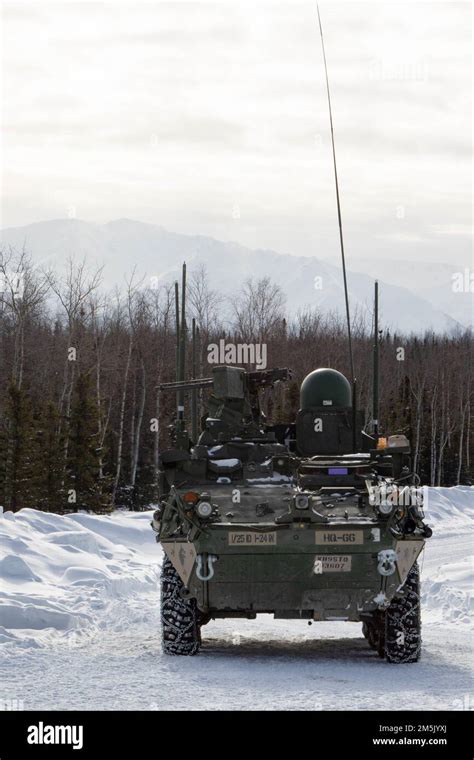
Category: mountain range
[414,296]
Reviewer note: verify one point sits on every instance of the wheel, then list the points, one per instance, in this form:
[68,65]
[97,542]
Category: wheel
[380,642]
[372,637]
[374,632]
[369,632]
[180,625]
[403,622]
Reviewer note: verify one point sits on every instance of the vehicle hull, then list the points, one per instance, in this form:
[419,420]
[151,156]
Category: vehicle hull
[320,572]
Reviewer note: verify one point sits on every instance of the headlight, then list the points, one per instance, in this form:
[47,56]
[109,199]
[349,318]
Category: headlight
[385,507]
[301,501]
[190,498]
[204,509]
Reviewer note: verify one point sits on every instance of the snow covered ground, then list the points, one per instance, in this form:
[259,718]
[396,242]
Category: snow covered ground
[79,628]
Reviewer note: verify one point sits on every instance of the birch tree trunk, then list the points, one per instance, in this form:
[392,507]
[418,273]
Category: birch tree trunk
[419,413]
[463,410]
[434,428]
[122,416]
[132,422]
[141,409]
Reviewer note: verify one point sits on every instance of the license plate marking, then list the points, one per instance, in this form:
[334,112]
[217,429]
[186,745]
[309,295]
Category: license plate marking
[340,537]
[252,538]
[332,563]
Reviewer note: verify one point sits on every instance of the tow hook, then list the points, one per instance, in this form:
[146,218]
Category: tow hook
[211,558]
[387,559]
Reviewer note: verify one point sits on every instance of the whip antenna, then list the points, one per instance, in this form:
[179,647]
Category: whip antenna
[339,217]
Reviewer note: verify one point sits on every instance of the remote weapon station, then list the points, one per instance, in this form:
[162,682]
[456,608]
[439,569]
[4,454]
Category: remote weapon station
[317,520]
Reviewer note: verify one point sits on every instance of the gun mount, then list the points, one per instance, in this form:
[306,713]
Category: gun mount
[233,407]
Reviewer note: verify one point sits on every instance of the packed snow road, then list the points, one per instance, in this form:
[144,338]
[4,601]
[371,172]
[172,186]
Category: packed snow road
[79,629]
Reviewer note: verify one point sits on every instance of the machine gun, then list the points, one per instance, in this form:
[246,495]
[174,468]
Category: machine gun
[234,396]
[233,406]
[224,383]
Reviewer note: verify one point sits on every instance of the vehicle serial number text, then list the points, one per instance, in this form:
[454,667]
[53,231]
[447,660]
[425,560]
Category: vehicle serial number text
[241,538]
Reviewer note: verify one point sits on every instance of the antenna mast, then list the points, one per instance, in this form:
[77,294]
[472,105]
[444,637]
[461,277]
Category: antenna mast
[375,388]
[346,295]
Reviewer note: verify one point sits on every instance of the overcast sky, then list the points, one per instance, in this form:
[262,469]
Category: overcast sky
[212,118]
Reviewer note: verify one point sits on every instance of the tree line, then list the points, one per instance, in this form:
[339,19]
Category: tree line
[82,420]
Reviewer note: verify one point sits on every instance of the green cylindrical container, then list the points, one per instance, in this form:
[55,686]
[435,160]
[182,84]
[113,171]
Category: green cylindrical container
[325,387]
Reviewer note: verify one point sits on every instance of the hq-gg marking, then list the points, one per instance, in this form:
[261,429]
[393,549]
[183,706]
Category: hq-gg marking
[318,519]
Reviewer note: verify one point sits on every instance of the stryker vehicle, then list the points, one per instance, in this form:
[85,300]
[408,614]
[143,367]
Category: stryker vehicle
[318,521]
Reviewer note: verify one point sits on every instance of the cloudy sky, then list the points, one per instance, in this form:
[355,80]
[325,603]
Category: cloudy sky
[212,118]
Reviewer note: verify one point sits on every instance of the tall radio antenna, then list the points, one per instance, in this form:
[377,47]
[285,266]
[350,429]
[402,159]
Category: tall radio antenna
[341,238]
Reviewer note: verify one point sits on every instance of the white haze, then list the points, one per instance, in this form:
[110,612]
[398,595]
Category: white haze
[211,118]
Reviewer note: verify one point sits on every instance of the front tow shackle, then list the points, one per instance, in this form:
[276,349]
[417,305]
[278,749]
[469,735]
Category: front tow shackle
[200,564]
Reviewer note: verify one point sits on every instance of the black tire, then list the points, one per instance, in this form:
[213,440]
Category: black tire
[403,622]
[380,642]
[374,632]
[372,637]
[180,627]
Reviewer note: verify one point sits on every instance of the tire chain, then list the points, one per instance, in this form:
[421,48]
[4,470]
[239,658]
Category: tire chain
[179,617]
[403,622]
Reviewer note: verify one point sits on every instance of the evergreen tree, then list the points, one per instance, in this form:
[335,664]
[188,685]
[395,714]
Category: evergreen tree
[424,467]
[18,453]
[52,497]
[399,409]
[86,490]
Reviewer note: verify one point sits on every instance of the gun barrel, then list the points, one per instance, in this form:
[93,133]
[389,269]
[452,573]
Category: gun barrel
[264,377]
[186,385]
[259,378]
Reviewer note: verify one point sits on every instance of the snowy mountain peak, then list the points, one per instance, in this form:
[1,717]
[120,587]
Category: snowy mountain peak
[308,282]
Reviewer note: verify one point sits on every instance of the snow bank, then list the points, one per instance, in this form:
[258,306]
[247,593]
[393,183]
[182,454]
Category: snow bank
[65,576]
[450,508]
[448,577]
[449,592]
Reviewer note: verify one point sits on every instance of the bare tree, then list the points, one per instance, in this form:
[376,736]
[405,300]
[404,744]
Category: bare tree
[259,309]
[23,292]
[74,292]
[204,303]
[161,315]
[130,306]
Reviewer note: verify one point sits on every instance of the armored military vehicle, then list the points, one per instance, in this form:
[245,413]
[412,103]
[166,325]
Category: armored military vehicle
[317,520]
